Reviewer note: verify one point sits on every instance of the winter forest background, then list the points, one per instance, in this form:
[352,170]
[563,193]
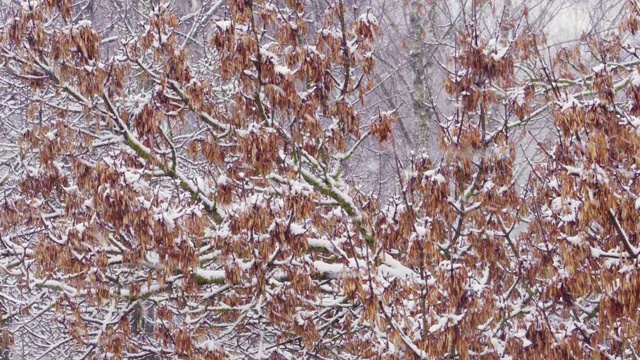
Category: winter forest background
[331,179]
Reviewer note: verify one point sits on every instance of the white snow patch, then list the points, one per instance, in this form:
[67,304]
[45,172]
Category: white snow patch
[210,275]
[571,170]
[152,257]
[297,229]
[332,271]
[442,322]
[635,78]
[368,19]
[282,70]
[571,103]
[521,334]
[574,240]
[435,176]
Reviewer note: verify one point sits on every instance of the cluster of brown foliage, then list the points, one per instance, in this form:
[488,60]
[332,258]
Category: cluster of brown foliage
[178,190]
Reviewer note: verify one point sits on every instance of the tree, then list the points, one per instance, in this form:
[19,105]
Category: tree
[175,183]
[139,172]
